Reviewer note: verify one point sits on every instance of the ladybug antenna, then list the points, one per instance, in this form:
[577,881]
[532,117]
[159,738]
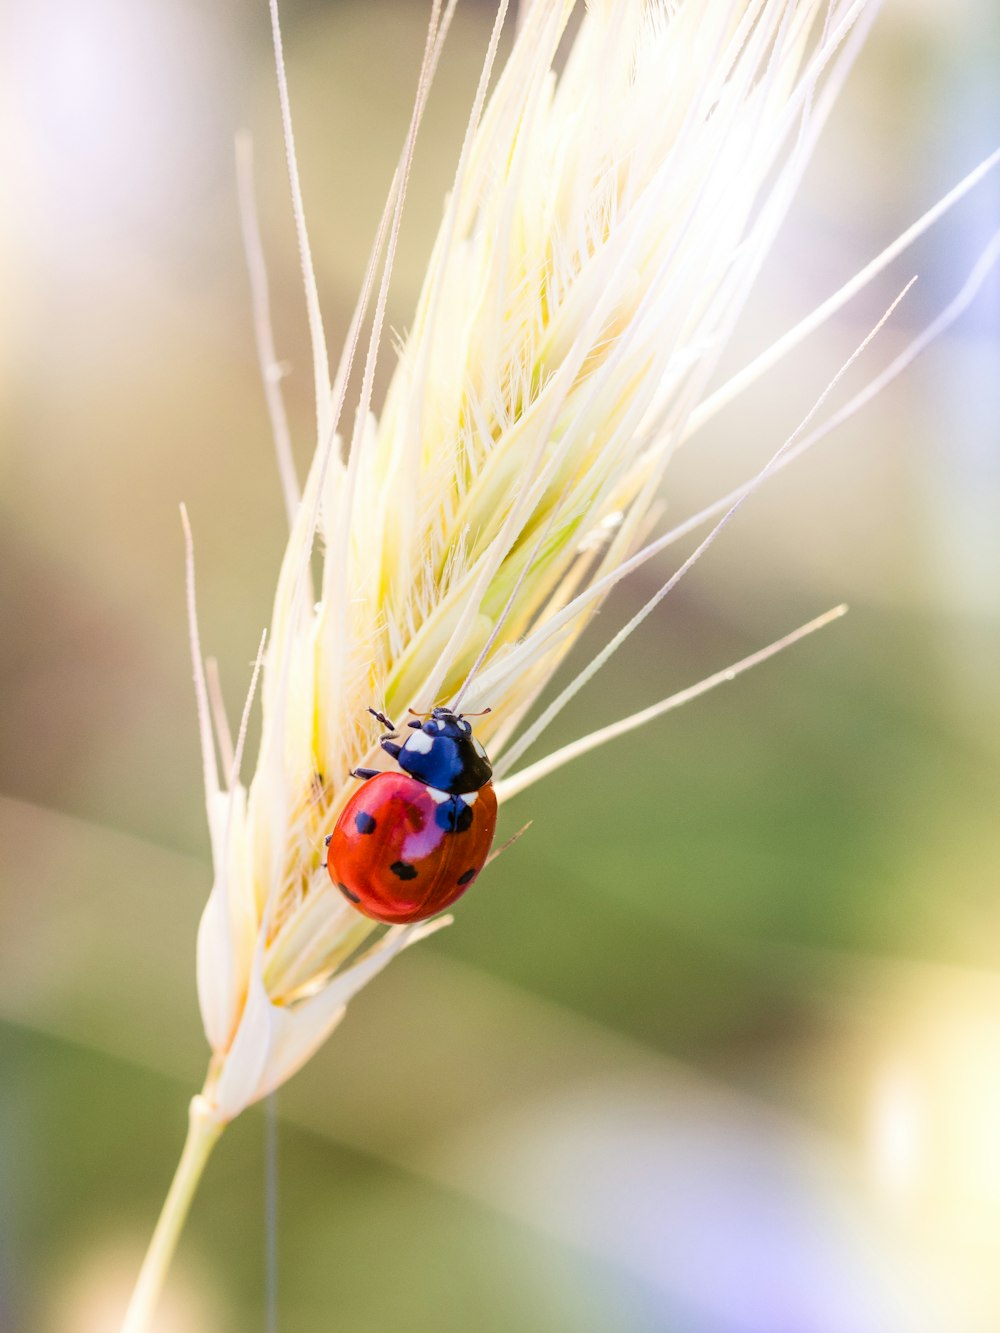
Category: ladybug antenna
[381,717]
[418,714]
[482,713]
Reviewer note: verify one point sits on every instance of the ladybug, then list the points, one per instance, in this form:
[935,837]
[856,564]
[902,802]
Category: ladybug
[409,842]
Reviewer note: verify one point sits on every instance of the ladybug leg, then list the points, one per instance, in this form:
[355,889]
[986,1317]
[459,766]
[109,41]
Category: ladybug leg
[390,747]
[364,773]
[381,717]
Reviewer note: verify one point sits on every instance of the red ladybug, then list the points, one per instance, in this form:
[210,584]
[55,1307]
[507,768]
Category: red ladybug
[407,844]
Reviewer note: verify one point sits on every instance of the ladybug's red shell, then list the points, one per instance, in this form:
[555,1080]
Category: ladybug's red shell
[403,851]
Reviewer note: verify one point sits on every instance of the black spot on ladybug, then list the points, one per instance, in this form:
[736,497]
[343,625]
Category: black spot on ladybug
[453,816]
[364,823]
[403,870]
[468,877]
[347,893]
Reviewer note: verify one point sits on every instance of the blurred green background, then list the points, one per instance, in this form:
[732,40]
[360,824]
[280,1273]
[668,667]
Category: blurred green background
[716,1048]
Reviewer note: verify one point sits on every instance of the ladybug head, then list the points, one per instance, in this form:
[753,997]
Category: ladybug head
[443,753]
[443,722]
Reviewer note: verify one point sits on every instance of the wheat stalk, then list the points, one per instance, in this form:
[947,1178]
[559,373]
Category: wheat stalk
[603,231]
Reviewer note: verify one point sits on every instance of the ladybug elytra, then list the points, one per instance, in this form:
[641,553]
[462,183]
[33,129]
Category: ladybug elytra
[409,843]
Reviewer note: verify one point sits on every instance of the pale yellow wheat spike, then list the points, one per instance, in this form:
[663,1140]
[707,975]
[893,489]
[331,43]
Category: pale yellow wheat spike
[615,196]
[506,464]
[579,284]
[603,230]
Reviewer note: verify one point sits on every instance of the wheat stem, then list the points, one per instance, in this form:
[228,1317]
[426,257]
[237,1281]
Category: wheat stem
[203,1133]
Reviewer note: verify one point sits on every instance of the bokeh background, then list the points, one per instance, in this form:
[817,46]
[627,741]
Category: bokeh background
[716,1048]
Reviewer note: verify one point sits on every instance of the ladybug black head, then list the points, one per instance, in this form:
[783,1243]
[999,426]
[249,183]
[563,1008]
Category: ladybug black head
[443,753]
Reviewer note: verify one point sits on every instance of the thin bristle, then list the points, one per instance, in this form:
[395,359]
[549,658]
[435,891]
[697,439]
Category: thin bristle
[321,365]
[531,734]
[527,777]
[209,765]
[260,300]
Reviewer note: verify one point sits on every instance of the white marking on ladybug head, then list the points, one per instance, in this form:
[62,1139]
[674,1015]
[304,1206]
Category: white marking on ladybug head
[479,749]
[466,727]
[438,797]
[439,724]
[469,797]
[420,742]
